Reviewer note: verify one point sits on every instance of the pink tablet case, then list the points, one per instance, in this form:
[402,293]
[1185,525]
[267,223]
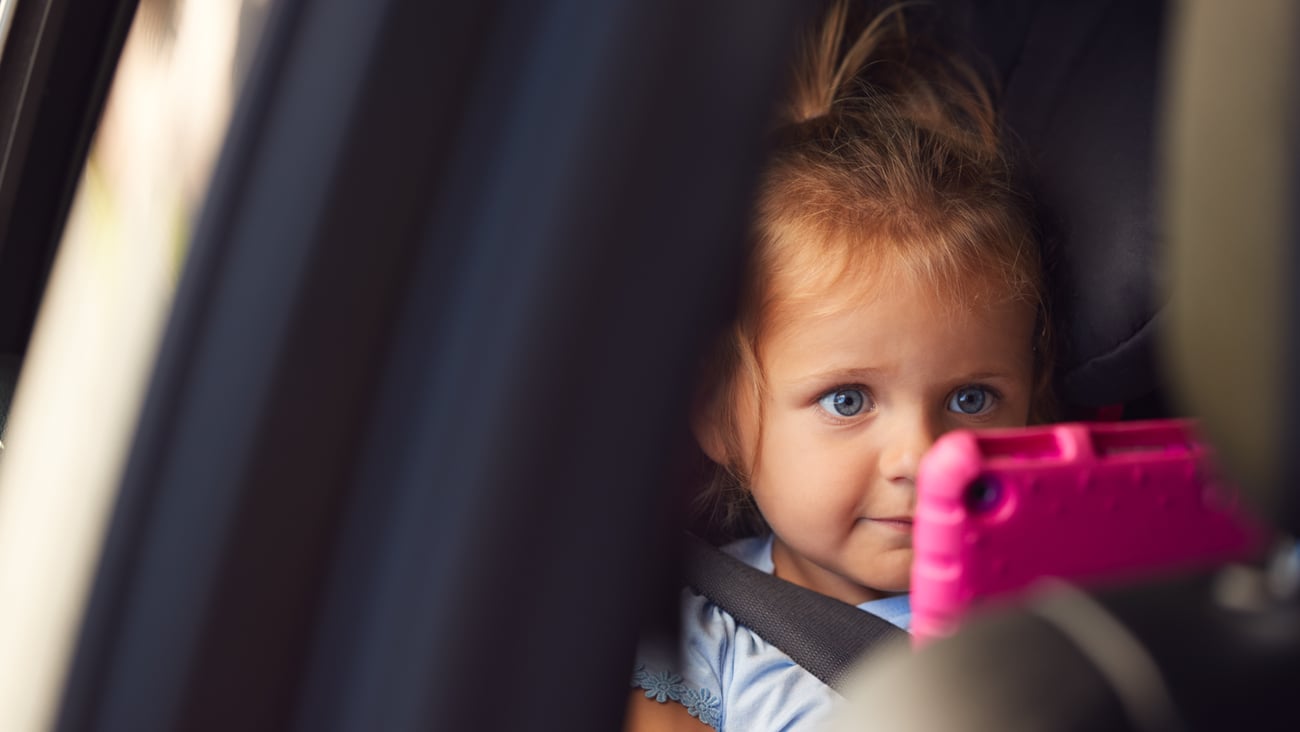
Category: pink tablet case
[1090,503]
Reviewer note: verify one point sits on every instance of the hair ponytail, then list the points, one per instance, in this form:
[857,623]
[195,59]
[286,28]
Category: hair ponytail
[823,73]
[887,70]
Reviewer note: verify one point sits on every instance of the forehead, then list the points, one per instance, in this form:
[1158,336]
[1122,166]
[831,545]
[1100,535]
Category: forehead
[801,264]
[899,325]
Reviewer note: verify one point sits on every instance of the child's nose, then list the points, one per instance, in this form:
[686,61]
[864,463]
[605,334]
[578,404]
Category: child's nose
[908,441]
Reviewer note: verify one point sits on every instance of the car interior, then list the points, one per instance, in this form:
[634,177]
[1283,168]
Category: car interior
[406,443]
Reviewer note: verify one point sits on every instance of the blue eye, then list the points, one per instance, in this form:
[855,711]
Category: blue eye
[845,402]
[970,400]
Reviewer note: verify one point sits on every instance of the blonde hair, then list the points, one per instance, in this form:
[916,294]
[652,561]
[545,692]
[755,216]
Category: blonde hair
[887,163]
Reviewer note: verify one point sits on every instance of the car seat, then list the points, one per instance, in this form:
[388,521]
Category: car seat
[1081,87]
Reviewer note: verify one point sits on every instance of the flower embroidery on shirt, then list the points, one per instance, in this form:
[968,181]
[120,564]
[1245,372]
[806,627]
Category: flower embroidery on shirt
[663,686]
[660,686]
[703,705]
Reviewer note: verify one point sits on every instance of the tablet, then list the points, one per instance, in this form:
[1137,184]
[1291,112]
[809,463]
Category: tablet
[1090,503]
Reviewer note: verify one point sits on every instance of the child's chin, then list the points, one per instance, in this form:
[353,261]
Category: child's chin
[895,588]
[886,584]
[894,579]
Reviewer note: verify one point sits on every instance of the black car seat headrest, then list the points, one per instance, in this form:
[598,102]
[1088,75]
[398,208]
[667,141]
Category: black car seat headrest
[1079,85]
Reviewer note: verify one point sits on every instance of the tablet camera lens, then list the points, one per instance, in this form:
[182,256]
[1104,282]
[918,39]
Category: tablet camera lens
[982,495]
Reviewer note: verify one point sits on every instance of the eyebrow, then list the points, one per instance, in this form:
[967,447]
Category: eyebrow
[859,375]
[841,376]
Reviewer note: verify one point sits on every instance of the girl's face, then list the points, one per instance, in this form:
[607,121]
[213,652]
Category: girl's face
[853,401]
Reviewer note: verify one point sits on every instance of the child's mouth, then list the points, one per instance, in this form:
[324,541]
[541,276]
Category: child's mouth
[898,523]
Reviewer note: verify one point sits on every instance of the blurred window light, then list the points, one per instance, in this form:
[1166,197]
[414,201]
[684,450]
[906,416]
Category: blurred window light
[90,357]
[6,20]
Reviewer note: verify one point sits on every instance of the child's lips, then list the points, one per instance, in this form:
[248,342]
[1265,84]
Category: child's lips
[898,523]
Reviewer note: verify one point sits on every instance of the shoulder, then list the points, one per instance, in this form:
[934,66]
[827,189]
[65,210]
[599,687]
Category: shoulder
[723,674]
[756,551]
[694,671]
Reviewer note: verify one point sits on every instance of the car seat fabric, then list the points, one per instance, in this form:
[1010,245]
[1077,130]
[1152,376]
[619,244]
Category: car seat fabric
[1079,90]
[1093,173]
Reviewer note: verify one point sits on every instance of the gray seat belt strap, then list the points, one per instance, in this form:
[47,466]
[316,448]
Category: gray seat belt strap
[823,635]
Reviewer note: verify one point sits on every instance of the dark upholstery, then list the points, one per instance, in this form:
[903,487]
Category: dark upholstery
[1079,80]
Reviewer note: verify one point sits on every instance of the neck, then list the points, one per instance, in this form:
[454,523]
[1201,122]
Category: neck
[801,571]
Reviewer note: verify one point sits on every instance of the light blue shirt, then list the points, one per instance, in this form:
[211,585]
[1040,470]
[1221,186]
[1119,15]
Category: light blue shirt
[731,679]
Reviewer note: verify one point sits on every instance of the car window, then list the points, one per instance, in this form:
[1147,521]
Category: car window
[107,298]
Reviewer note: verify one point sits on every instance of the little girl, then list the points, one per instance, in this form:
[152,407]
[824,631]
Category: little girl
[894,292]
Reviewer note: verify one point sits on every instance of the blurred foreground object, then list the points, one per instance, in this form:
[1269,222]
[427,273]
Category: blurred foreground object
[377,465]
[1202,653]
[109,291]
[1230,189]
